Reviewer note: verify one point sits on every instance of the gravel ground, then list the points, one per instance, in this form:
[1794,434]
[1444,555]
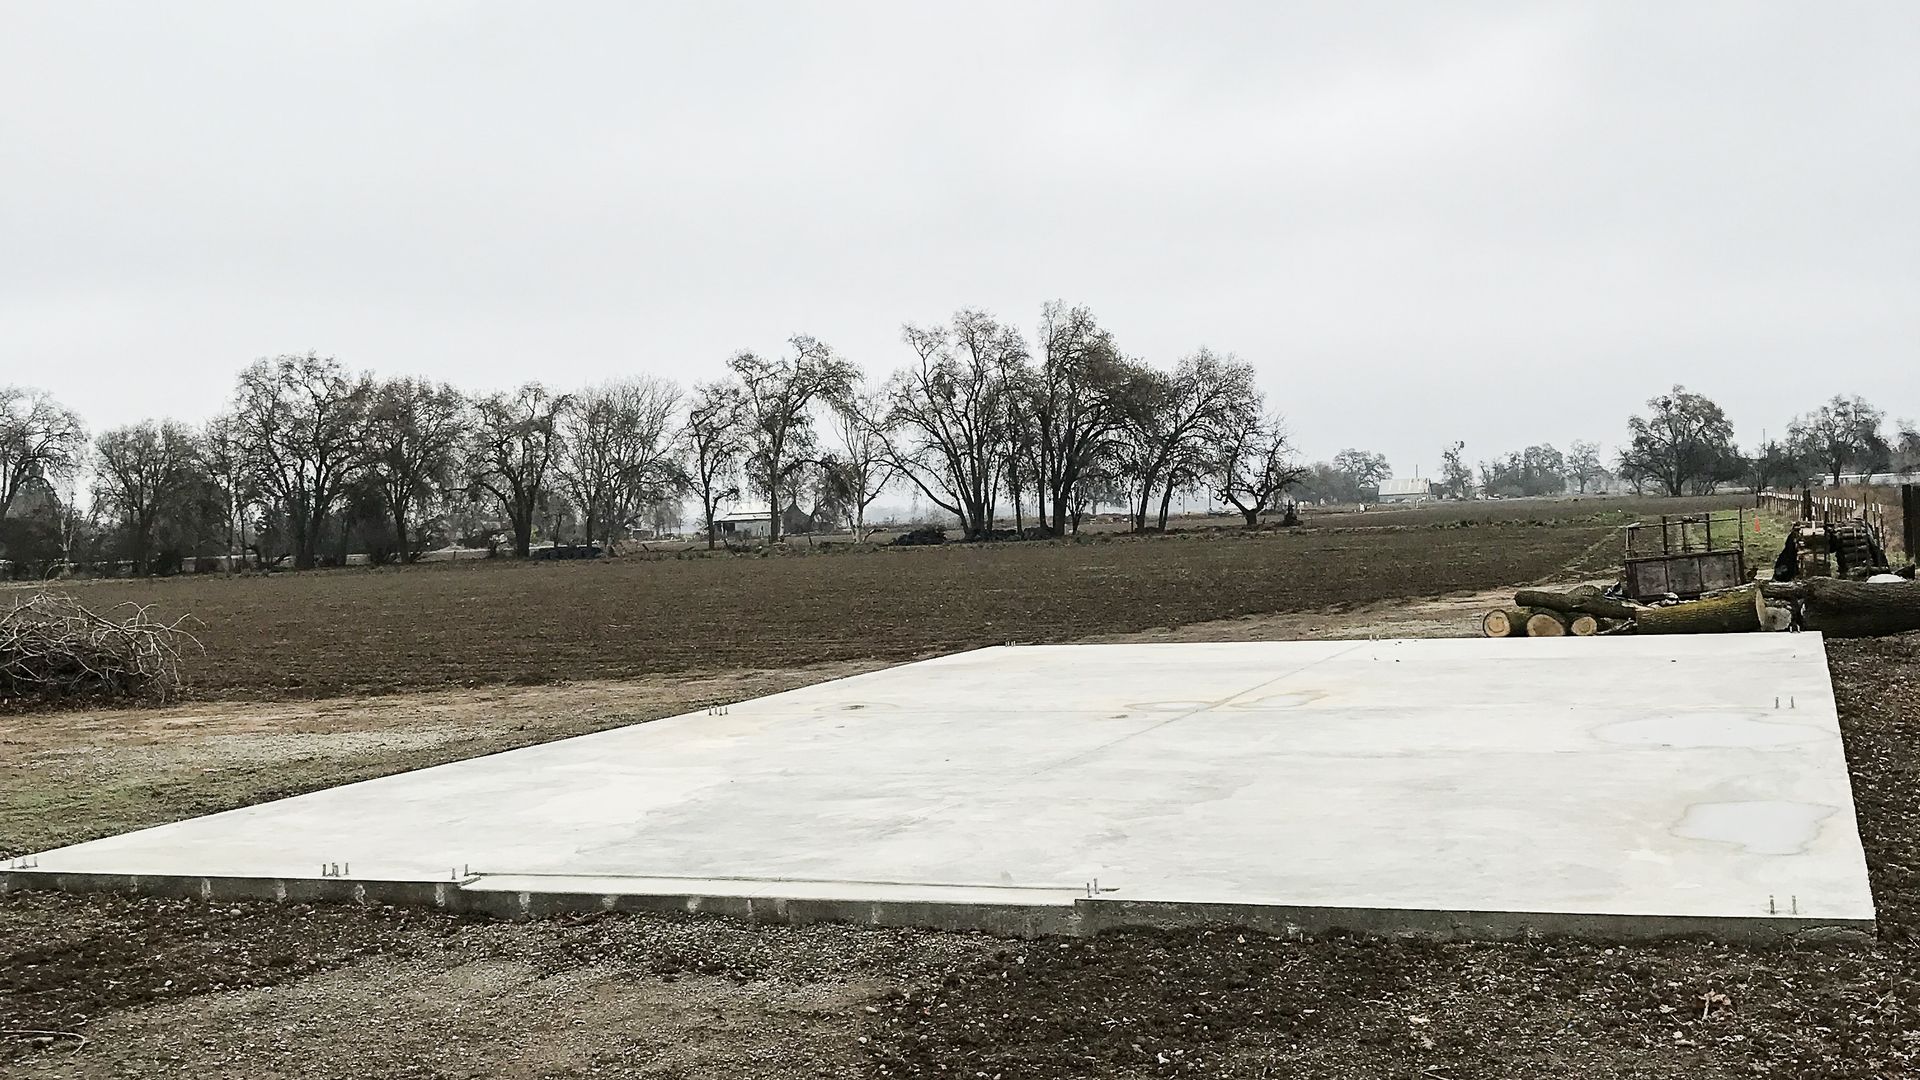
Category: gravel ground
[174,988]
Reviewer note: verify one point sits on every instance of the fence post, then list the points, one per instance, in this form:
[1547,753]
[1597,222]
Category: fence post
[1910,519]
[1806,504]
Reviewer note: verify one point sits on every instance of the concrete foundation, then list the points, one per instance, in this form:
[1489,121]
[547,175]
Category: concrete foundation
[1617,787]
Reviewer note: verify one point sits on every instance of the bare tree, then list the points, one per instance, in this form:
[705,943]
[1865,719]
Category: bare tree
[1364,471]
[712,441]
[1843,433]
[1532,472]
[1254,466]
[1684,444]
[664,516]
[142,470]
[1173,419]
[1775,462]
[1020,448]
[778,395]
[1076,400]
[947,414]
[414,431]
[1583,464]
[224,457]
[859,469]
[40,439]
[618,450]
[302,422]
[1456,476]
[511,451]
[1906,448]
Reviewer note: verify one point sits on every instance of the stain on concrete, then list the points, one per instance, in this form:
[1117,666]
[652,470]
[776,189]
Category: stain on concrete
[1766,827]
[1292,700]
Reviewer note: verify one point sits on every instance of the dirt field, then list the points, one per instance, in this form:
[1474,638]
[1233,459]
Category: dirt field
[375,631]
[116,987]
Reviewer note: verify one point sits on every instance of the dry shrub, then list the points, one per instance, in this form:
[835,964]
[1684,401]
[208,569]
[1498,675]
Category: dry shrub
[54,648]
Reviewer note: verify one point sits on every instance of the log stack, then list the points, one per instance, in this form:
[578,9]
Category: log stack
[1833,606]
[1580,612]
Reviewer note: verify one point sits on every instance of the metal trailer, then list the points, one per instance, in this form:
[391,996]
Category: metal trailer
[1688,564]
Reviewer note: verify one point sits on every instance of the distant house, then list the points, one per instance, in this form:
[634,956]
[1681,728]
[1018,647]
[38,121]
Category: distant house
[1413,489]
[748,523]
[751,523]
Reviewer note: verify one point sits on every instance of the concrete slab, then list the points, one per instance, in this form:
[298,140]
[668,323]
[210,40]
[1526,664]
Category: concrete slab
[1620,786]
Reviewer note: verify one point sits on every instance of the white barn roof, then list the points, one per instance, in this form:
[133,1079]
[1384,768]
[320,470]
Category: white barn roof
[1412,486]
[749,514]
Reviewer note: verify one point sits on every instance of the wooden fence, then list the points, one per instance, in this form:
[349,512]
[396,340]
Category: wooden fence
[1894,521]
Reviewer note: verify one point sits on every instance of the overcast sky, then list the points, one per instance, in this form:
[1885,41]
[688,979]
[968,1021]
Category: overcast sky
[1507,223]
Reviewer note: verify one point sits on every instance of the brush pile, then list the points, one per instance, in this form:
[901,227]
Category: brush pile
[55,649]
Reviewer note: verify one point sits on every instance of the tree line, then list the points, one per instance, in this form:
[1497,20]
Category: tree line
[310,458]
[1683,445]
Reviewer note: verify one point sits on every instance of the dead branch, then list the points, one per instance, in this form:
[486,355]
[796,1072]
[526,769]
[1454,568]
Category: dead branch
[54,648]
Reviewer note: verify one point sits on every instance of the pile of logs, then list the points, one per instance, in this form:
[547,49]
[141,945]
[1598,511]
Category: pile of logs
[1833,607]
[1581,612]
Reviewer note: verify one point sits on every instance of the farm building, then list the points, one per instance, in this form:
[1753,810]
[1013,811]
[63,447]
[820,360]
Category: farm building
[749,522]
[795,521]
[752,522]
[1413,489]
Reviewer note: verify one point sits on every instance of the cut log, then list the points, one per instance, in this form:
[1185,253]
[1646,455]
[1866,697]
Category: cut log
[1504,622]
[1577,602]
[1546,624]
[1736,611]
[1851,608]
[1583,625]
